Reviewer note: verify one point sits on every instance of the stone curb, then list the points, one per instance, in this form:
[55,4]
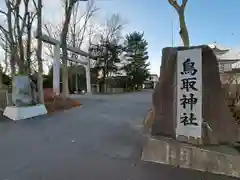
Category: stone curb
[168,151]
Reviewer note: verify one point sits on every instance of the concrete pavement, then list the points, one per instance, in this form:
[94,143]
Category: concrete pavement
[99,141]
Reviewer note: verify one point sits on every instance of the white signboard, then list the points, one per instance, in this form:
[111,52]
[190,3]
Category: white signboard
[189,93]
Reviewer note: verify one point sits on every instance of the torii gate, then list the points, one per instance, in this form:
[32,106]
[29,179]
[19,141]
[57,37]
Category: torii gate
[56,62]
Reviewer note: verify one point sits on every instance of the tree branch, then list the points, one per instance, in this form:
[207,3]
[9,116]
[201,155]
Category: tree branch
[26,14]
[183,27]
[35,4]
[33,17]
[174,4]
[2,12]
[89,14]
[3,29]
[184,3]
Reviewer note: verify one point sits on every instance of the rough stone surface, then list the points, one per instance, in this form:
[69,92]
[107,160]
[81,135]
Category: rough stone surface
[215,111]
[220,160]
[238,137]
[162,98]
[21,91]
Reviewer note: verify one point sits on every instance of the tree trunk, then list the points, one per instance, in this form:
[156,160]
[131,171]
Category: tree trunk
[1,78]
[29,38]
[183,29]
[65,90]
[68,12]
[105,74]
[13,46]
[12,61]
[39,53]
[21,59]
[76,83]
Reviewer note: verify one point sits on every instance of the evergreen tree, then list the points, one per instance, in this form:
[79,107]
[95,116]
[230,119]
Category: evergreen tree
[107,54]
[137,65]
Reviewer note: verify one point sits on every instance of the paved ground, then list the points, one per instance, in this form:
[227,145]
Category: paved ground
[100,141]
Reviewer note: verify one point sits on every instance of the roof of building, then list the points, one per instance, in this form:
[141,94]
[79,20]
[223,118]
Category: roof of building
[225,54]
[218,48]
[230,55]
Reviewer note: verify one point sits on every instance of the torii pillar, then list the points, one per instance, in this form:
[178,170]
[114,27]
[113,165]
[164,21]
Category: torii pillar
[56,70]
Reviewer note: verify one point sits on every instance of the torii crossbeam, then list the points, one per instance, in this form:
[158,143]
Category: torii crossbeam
[56,61]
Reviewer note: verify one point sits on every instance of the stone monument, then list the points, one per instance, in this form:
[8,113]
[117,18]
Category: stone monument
[191,79]
[24,100]
[192,124]
[21,91]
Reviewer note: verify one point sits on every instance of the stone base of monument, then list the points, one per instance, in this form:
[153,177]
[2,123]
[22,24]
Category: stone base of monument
[20,113]
[215,159]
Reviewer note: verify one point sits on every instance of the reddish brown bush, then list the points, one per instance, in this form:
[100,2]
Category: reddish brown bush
[59,103]
[48,94]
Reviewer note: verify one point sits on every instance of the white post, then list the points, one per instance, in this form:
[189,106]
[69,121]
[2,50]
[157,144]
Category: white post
[56,70]
[88,77]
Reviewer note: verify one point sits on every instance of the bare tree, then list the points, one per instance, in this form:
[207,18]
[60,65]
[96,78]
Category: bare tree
[79,24]
[78,27]
[18,34]
[9,36]
[18,25]
[73,30]
[53,31]
[5,47]
[108,41]
[78,31]
[69,5]
[183,27]
[39,52]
